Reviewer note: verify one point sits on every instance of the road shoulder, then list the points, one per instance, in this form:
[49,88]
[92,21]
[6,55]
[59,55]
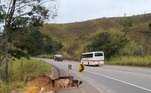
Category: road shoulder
[83,88]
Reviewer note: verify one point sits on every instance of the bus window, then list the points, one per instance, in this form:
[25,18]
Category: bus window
[98,54]
[87,56]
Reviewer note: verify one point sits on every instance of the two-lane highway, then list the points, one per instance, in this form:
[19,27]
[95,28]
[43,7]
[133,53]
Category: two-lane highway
[112,79]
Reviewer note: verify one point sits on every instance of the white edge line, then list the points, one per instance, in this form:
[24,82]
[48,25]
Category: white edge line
[120,81]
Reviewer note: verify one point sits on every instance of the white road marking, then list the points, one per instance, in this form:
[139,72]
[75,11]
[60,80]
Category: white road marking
[120,81]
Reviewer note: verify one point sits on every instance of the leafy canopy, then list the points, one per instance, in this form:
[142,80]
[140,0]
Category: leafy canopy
[111,42]
[38,43]
[21,17]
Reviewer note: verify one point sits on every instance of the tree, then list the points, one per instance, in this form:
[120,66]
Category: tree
[38,43]
[127,23]
[110,43]
[146,40]
[20,17]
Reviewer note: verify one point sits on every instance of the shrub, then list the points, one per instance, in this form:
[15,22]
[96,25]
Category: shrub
[111,42]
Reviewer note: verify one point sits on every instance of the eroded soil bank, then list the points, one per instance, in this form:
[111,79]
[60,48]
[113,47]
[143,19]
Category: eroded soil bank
[43,84]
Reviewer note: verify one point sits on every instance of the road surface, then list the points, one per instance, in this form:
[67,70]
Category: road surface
[112,79]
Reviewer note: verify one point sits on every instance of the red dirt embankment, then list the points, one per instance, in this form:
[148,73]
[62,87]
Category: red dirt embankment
[44,83]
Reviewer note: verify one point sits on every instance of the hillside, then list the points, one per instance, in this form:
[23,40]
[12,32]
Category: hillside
[75,36]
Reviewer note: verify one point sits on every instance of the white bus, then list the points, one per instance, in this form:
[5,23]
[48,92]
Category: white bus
[92,58]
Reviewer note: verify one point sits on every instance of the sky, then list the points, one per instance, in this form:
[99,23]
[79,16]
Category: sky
[82,10]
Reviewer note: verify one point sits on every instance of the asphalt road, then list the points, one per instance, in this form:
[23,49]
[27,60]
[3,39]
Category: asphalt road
[112,79]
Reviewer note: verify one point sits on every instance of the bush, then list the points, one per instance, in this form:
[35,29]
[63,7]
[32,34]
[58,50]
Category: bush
[111,42]
[131,48]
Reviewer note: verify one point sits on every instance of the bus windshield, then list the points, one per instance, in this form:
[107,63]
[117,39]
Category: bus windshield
[98,54]
[87,55]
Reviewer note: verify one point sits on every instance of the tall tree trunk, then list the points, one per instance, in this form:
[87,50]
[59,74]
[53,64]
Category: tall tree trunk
[7,30]
[6,55]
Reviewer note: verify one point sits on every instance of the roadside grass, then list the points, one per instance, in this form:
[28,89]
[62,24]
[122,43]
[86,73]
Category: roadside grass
[8,87]
[131,61]
[45,56]
[20,70]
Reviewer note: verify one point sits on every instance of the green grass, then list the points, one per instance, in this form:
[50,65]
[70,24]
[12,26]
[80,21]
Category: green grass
[20,70]
[45,56]
[7,87]
[131,61]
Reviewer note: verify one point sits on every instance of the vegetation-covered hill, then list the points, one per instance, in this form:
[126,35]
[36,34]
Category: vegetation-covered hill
[76,36]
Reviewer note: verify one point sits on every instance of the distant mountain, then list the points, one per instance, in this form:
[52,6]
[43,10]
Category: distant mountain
[75,36]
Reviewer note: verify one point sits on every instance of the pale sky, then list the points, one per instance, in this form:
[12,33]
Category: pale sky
[81,10]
